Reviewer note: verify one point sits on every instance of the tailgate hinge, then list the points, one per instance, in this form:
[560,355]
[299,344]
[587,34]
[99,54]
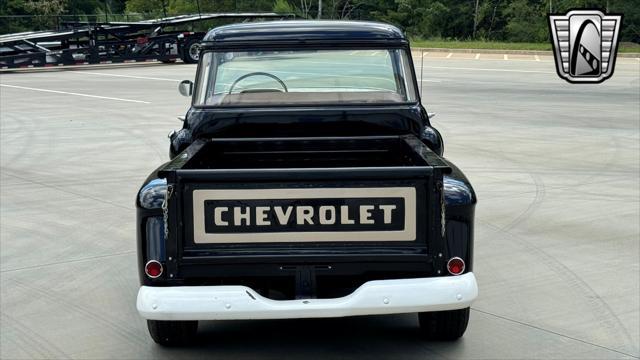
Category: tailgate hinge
[165,210]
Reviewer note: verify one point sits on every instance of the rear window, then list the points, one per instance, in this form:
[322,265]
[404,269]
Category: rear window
[238,78]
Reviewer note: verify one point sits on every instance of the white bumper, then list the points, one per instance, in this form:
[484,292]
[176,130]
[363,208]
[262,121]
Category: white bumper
[241,302]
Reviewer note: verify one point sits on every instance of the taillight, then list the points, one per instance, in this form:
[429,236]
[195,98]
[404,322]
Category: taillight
[455,266]
[153,269]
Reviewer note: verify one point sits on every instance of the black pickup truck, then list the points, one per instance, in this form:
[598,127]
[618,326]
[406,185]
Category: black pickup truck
[307,181]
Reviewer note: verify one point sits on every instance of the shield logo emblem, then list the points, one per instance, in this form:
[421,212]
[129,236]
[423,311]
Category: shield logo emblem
[585,43]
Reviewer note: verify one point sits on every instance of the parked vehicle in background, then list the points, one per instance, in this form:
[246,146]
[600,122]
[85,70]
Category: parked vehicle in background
[167,39]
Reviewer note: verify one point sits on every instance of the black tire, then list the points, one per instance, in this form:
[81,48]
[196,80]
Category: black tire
[191,51]
[444,325]
[172,333]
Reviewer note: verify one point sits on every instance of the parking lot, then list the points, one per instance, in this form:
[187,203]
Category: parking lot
[556,168]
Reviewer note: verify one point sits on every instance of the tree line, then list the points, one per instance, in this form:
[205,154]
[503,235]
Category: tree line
[494,20]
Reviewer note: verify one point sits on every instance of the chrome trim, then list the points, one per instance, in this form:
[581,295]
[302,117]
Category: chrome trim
[376,297]
[464,266]
[161,269]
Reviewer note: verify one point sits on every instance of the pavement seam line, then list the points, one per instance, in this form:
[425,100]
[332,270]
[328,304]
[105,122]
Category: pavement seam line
[60,188]
[552,332]
[487,69]
[70,261]
[76,94]
[125,76]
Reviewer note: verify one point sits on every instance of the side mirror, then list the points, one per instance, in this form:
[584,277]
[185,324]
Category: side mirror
[186,87]
[431,115]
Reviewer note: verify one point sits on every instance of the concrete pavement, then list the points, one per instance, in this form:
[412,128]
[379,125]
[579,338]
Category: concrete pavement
[556,168]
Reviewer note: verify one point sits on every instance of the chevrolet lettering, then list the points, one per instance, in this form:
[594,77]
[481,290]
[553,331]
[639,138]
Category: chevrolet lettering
[307,181]
[284,218]
[240,216]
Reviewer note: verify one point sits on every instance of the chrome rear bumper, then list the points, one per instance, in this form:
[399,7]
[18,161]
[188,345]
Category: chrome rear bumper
[241,302]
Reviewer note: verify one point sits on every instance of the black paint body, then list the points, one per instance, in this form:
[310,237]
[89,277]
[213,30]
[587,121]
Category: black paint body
[337,268]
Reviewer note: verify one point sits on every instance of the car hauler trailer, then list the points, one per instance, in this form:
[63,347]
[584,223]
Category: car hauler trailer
[112,42]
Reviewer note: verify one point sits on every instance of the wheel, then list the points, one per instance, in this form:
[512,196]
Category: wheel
[191,51]
[172,333]
[444,325]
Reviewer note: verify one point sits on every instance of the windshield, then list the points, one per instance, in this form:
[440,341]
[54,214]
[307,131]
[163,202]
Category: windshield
[238,78]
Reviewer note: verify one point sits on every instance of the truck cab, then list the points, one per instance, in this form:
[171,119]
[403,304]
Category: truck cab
[307,181]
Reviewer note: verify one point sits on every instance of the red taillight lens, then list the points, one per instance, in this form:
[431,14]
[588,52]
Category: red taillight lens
[455,266]
[153,269]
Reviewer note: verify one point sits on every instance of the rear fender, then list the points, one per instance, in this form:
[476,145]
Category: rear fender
[148,205]
[460,201]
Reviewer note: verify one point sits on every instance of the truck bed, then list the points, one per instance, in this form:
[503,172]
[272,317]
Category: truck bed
[372,152]
[305,153]
[356,205]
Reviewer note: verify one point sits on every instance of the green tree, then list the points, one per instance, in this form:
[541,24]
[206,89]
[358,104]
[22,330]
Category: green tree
[152,7]
[511,20]
[630,30]
[526,22]
[283,7]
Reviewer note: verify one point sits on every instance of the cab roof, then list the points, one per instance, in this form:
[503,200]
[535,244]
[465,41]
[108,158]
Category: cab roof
[307,31]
